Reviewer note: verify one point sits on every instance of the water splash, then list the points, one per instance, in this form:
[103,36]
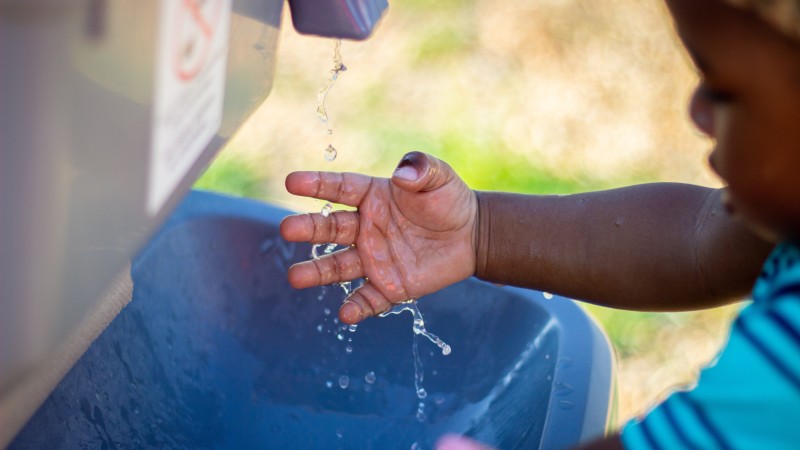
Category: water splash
[421,416]
[315,252]
[419,377]
[418,326]
[347,286]
[326,211]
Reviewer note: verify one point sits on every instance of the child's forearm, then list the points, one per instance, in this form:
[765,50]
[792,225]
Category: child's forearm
[660,246]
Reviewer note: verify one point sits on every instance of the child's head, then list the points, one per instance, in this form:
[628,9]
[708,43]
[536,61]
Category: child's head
[749,101]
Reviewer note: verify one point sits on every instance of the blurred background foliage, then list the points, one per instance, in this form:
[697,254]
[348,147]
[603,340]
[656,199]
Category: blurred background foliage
[545,96]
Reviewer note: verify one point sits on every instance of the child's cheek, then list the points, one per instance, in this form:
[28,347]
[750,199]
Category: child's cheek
[701,112]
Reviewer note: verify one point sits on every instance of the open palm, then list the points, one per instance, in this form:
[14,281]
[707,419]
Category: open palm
[411,235]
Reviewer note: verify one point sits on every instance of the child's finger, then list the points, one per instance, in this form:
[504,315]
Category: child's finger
[366,301]
[420,172]
[344,265]
[340,227]
[344,188]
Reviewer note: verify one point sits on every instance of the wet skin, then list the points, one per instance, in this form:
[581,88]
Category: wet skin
[411,235]
[414,237]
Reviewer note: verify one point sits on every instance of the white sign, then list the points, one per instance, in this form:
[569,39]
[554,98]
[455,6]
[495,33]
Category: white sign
[189,87]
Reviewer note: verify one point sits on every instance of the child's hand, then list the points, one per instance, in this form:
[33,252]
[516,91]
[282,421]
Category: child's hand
[413,234]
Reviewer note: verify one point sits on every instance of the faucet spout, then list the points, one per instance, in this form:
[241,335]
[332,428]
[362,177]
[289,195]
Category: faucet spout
[348,19]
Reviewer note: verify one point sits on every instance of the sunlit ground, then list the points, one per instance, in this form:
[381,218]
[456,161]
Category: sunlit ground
[551,96]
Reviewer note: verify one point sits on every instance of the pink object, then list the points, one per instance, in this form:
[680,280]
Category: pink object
[456,442]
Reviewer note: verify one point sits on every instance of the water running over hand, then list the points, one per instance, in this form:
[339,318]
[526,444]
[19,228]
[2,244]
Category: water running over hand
[418,326]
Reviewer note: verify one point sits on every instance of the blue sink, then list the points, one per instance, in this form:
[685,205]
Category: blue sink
[216,350]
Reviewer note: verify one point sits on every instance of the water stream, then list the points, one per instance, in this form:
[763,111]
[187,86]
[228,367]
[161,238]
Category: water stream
[322,95]
[320,250]
[418,327]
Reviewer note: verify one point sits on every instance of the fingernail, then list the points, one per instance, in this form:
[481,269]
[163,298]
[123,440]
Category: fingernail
[406,161]
[350,312]
[406,172]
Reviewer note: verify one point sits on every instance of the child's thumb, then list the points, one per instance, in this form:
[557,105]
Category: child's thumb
[418,171]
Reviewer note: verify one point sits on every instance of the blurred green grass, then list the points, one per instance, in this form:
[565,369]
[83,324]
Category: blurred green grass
[232,174]
[549,97]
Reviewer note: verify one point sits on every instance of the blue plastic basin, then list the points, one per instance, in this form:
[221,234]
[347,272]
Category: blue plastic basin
[217,351]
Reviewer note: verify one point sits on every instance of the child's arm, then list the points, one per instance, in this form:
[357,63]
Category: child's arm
[653,246]
[657,246]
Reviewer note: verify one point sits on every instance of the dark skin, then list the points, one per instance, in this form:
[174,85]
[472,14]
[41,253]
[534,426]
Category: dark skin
[750,102]
[658,247]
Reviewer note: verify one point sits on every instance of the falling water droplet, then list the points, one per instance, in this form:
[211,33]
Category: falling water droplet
[330,153]
[344,381]
[370,377]
[421,412]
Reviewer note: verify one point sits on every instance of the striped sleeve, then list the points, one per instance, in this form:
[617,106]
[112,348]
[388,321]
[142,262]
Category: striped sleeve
[750,398]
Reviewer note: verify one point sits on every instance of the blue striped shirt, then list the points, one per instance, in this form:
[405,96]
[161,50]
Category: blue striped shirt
[750,397]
